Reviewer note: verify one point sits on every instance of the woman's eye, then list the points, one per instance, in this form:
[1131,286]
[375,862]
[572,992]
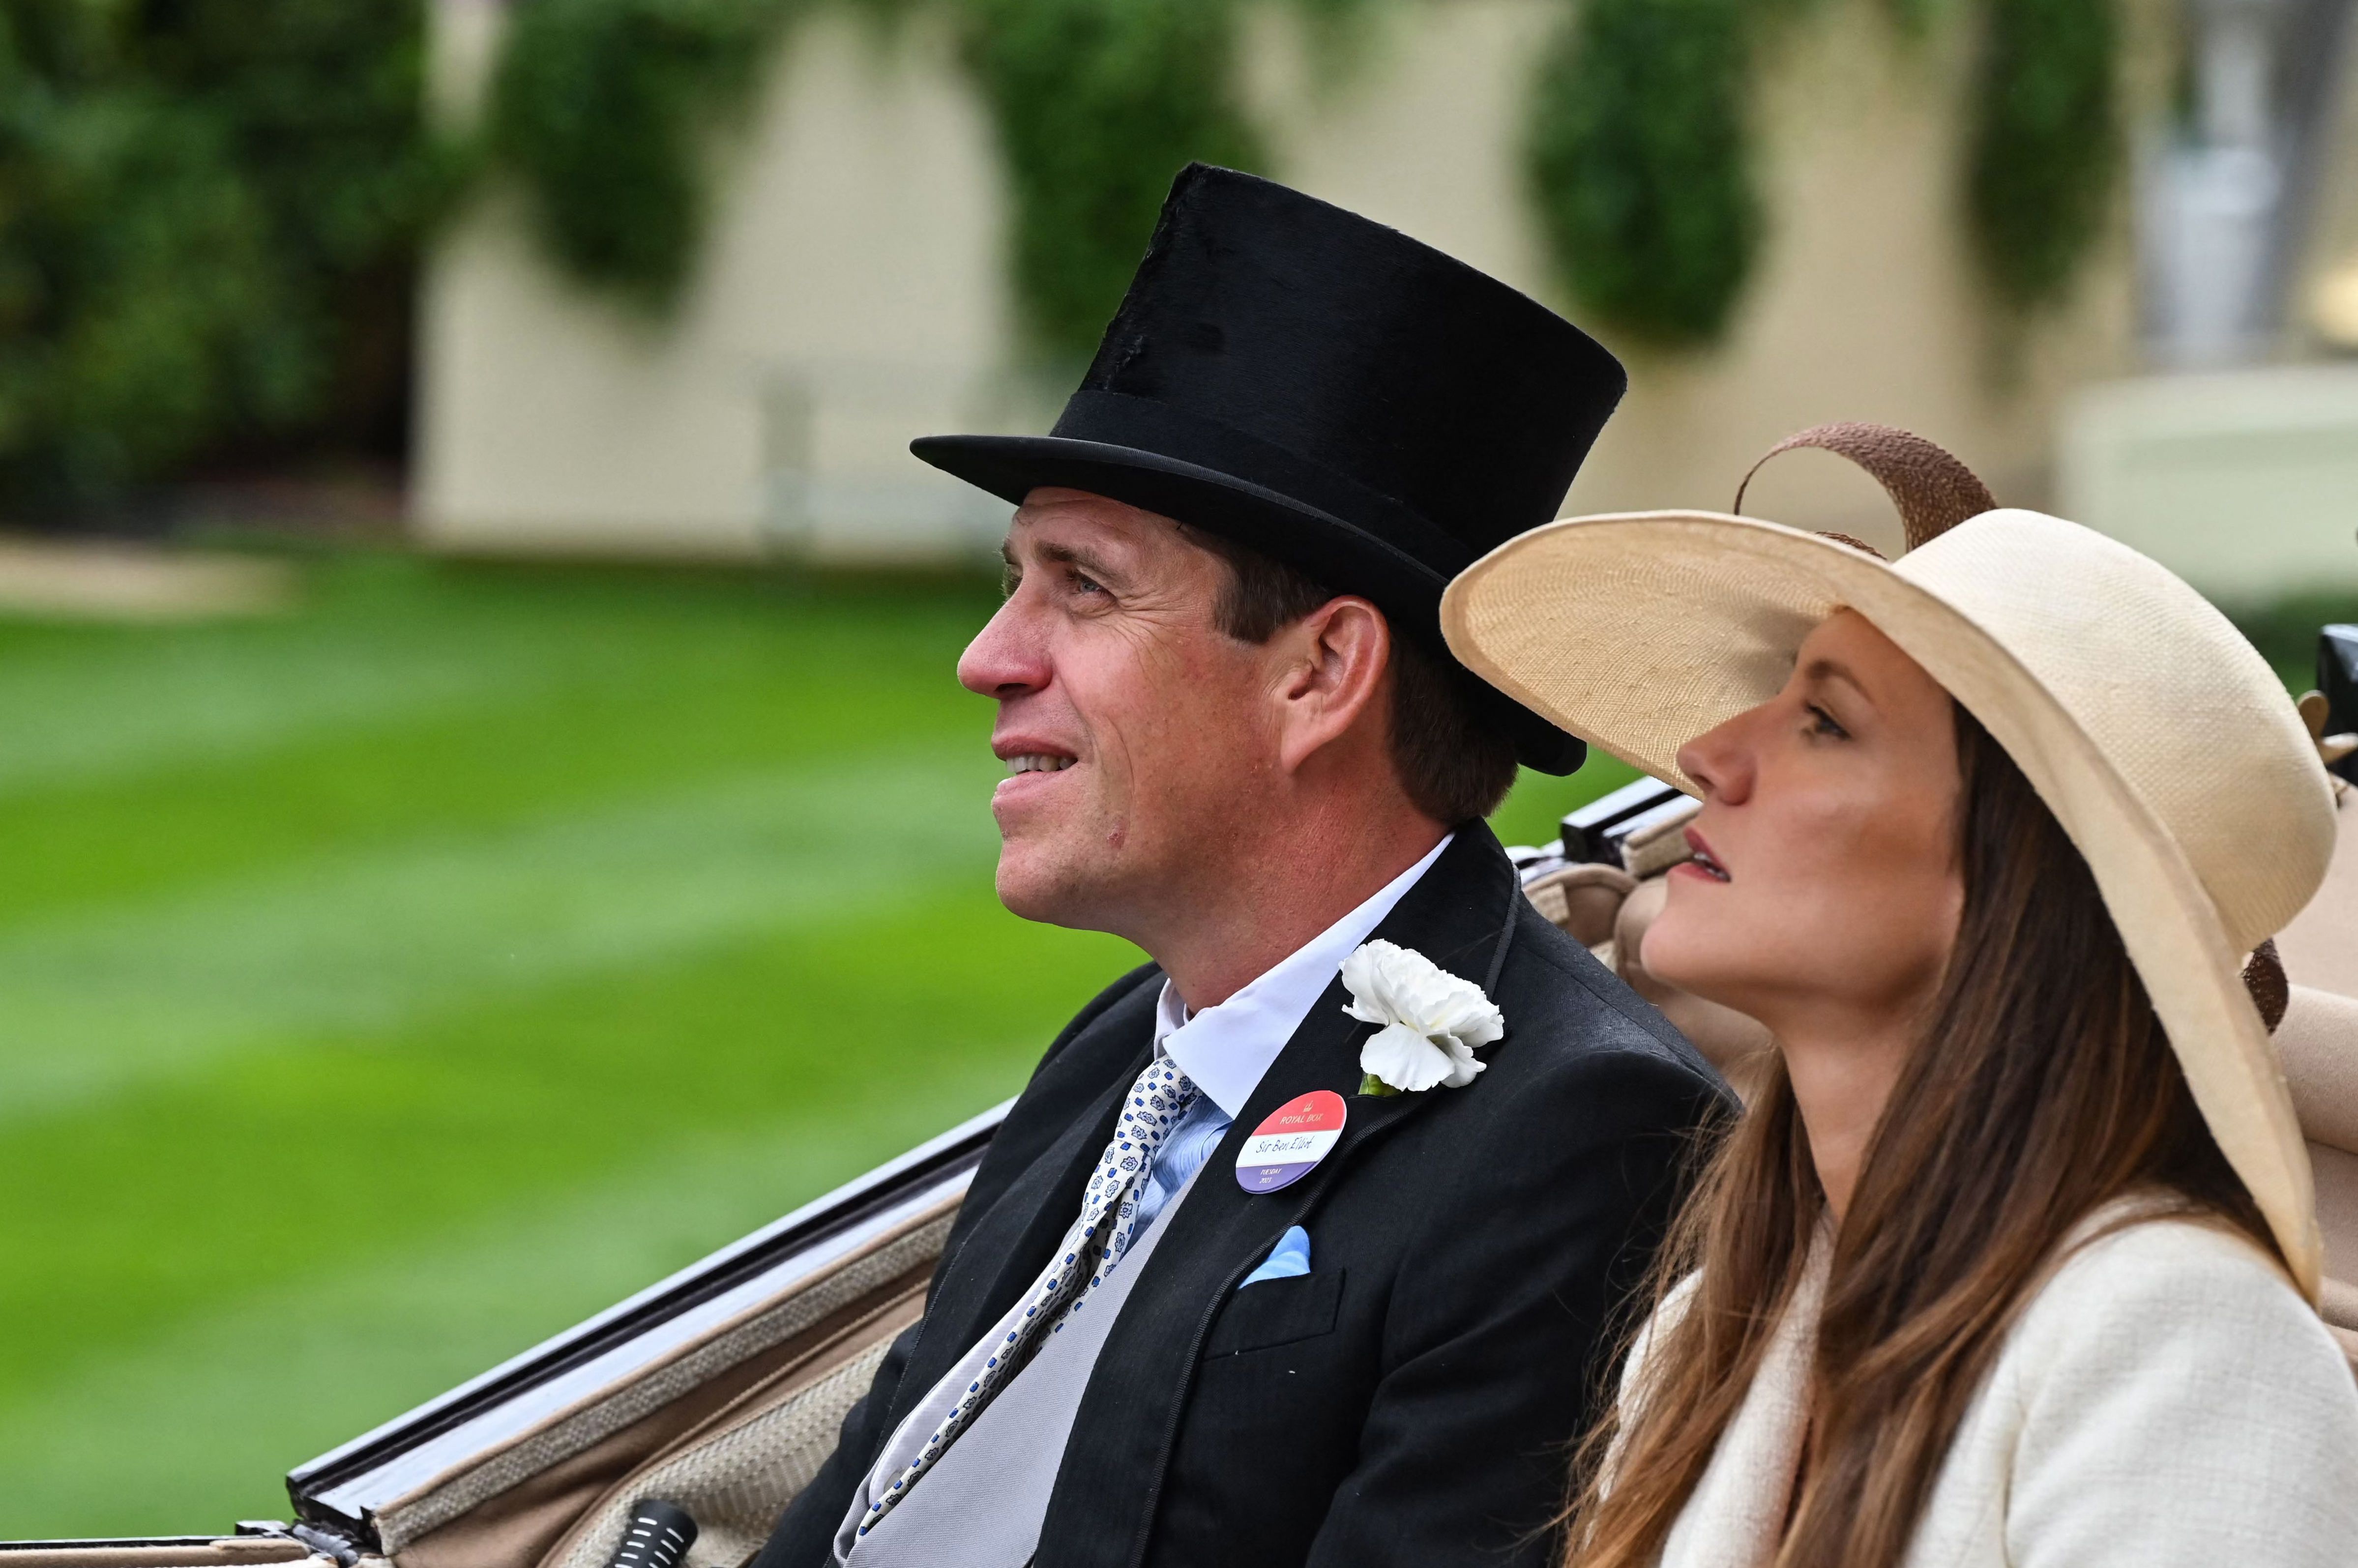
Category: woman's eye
[1822,723]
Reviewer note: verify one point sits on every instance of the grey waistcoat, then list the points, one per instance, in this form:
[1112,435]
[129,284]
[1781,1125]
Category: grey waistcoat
[981,1504]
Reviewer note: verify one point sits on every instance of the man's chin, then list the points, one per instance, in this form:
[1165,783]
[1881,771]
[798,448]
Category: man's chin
[1039,887]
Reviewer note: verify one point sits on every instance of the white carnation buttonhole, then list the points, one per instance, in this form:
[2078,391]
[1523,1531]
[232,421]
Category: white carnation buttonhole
[1432,1021]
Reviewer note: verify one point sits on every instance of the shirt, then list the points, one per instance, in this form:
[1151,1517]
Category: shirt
[1226,1049]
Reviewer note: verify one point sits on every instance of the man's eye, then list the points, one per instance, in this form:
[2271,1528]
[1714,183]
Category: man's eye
[1822,723]
[1084,583]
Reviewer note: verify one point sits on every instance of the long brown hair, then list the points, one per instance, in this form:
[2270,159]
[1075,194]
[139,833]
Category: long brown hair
[2042,1086]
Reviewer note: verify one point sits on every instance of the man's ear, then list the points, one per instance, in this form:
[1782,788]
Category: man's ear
[1331,666]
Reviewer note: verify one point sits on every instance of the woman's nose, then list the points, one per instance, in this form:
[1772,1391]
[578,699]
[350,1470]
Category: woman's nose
[1719,760]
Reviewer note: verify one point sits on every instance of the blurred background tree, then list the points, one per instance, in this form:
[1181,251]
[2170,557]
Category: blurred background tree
[1640,161]
[606,110]
[2047,147]
[1098,104]
[210,212]
[1639,146]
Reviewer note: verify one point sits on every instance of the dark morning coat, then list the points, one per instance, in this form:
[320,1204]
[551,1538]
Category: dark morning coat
[1410,1400]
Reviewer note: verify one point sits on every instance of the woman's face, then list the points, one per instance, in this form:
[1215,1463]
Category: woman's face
[1825,893]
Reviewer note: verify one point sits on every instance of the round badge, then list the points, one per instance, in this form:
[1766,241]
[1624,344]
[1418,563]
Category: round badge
[1290,1143]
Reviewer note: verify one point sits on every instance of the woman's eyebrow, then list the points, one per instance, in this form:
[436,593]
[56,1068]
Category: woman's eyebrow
[1823,670]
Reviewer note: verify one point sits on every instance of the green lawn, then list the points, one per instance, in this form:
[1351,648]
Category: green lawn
[387,985]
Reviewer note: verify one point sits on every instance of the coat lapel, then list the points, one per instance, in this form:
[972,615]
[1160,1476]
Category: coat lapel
[1461,915]
[1735,1516]
[1007,1246]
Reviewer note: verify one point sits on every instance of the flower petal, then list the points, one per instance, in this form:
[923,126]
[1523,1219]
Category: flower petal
[1463,1067]
[1363,977]
[1480,1024]
[1406,1060]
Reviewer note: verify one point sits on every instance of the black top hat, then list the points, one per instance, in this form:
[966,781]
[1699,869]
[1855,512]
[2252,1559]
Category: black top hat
[1330,393]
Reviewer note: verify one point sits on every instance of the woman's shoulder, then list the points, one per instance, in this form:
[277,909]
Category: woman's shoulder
[2167,1397]
[2169,1272]
[2188,1300]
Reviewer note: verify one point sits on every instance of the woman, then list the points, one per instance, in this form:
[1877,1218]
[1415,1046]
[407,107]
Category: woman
[2012,1260]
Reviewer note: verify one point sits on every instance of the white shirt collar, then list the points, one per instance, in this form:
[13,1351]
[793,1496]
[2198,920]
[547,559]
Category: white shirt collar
[1225,1049]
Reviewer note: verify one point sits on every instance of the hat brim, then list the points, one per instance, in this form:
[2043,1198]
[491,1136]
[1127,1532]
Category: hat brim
[1316,543]
[1638,631]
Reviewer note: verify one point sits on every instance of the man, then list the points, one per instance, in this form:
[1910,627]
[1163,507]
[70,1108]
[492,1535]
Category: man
[1234,738]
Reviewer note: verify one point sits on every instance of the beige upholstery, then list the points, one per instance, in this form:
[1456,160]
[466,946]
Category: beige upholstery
[1582,899]
[1663,844]
[1730,1040]
[738,1471]
[2319,948]
[2317,1042]
[730,1426]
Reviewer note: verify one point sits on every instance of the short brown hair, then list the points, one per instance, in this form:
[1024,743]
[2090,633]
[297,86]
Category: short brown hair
[1455,767]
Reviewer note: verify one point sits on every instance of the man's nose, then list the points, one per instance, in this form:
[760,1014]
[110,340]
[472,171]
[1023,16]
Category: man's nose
[1719,760]
[1007,658]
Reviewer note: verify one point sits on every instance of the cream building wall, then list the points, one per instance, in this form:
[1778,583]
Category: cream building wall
[850,298]
[2245,479]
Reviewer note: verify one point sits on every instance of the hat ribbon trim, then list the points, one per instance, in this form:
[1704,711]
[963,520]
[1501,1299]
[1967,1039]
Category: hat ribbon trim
[1933,490]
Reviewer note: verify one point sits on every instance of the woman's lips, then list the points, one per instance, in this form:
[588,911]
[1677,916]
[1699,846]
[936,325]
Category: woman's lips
[1701,863]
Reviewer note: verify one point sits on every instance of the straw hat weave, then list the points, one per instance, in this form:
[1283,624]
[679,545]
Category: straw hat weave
[2163,742]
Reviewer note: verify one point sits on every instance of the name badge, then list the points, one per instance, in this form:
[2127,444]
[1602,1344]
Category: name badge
[1290,1143]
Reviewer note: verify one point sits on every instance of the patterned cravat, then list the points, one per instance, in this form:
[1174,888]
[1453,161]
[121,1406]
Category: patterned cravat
[1090,1251]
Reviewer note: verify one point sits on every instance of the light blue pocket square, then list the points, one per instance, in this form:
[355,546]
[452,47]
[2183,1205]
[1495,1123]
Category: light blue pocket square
[1287,1259]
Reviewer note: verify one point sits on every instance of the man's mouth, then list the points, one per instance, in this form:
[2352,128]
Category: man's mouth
[1702,860]
[1037,762]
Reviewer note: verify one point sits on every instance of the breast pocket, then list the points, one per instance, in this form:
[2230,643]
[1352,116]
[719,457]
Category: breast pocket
[1277,1312]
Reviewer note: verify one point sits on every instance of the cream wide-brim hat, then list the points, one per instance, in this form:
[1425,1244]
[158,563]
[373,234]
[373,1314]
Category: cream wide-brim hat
[2162,742]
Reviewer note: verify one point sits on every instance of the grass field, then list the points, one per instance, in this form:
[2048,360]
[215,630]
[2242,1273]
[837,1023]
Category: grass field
[387,985]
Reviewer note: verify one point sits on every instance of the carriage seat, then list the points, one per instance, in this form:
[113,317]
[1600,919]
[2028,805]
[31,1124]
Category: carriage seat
[2317,1042]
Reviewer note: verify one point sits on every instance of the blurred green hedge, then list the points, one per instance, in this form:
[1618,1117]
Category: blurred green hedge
[208,210]
[211,210]
[605,112]
[1638,151]
[1640,161]
[602,109]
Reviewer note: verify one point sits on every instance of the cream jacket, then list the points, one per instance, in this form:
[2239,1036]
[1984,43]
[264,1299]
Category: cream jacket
[2166,1400]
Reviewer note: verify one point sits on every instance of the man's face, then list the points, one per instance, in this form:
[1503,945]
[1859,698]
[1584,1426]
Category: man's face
[1132,726]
